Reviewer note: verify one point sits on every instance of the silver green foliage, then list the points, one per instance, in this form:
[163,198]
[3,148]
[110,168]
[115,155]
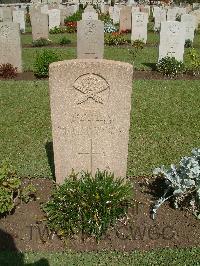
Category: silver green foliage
[182,181]
[109,27]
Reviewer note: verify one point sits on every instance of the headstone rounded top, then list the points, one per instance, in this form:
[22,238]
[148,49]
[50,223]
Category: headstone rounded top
[89,8]
[92,61]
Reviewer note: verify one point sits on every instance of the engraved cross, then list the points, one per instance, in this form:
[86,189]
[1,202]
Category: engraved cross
[91,153]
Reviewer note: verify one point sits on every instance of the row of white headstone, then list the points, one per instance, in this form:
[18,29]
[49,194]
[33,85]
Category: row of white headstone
[55,16]
[9,15]
[119,13]
[90,36]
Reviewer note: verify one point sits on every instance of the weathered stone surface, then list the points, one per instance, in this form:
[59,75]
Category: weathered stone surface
[10,45]
[39,22]
[172,40]
[44,9]
[159,16]
[135,9]
[54,18]
[125,18]
[1,14]
[19,17]
[145,9]
[196,14]
[89,13]
[90,112]
[139,26]
[104,8]
[90,39]
[190,23]
[172,13]
[116,14]
[63,14]
[111,10]
[7,14]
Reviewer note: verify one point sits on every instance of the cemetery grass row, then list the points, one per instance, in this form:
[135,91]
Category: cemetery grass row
[152,38]
[164,125]
[145,61]
[157,257]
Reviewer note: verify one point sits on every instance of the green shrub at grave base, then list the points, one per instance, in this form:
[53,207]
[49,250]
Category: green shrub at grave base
[42,62]
[88,205]
[182,184]
[193,65]
[138,44]
[137,47]
[75,17]
[41,42]
[11,188]
[188,43]
[169,66]
[8,71]
[63,40]
[105,18]
[115,39]
[57,30]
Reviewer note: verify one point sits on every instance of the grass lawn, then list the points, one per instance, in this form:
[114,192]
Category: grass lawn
[157,257]
[152,39]
[27,38]
[164,127]
[164,124]
[144,60]
[29,55]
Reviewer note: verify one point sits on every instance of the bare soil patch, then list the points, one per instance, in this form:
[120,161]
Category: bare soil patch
[26,228]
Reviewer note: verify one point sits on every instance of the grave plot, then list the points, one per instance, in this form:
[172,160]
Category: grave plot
[82,133]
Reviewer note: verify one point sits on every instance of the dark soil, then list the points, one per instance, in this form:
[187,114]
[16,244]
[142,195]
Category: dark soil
[26,230]
[137,75]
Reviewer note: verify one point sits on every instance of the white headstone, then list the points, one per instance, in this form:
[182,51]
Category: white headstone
[39,23]
[90,112]
[135,9]
[19,17]
[54,18]
[172,40]
[45,9]
[125,18]
[139,26]
[1,14]
[10,45]
[189,21]
[7,14]
[111,10]
[171,14]
[116,14]
[160,16]
[90,39]
[89,13]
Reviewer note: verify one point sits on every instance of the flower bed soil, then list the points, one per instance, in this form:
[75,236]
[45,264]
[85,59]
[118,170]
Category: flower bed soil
[26,230]
[137,75]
